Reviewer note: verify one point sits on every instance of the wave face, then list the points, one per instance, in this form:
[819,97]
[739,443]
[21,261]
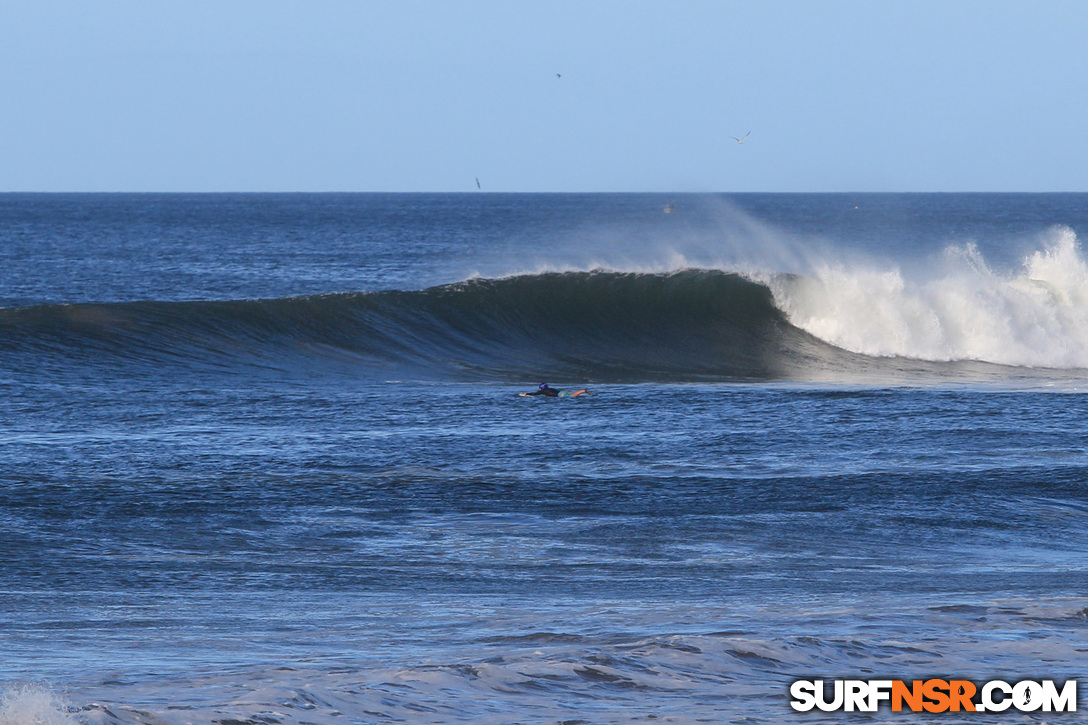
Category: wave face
[589,326]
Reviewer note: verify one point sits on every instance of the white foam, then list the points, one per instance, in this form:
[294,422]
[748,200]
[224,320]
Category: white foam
[33,705]
[962,310]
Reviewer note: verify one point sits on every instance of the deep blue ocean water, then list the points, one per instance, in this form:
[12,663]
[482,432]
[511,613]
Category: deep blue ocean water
[262,457]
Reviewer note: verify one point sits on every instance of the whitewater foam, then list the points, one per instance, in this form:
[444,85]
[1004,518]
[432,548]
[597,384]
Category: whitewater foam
[33,705]
[1034,317]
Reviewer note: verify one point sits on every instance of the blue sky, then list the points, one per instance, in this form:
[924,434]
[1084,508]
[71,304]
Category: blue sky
[194,95]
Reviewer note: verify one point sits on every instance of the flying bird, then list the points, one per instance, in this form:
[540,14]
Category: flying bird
[741,139]
[558,75]
[478,183]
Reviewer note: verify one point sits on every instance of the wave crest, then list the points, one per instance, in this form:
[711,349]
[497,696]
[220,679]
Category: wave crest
[1035,317]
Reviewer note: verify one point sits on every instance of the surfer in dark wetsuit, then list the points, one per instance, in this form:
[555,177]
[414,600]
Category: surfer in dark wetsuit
[550,392]
[545,391]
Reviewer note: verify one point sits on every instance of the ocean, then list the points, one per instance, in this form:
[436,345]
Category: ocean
[263,459]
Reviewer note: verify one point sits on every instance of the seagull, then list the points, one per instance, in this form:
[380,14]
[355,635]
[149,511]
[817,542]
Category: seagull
[478,183]
[741,139]
[558,75]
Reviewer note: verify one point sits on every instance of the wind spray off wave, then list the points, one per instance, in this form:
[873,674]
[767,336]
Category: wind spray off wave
[1035,317]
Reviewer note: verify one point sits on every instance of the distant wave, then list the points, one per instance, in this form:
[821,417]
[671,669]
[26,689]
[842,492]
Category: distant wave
[596,326]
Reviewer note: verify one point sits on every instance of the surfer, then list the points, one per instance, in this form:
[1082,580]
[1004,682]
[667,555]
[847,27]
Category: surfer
[549,392]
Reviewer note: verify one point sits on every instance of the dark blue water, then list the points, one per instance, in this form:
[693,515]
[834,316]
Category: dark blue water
[262,457]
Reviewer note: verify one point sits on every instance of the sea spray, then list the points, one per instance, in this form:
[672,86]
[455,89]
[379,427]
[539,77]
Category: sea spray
[960,310]
[33,705]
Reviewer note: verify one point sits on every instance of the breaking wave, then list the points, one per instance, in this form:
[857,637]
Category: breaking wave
[838,322]
[1036,316]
